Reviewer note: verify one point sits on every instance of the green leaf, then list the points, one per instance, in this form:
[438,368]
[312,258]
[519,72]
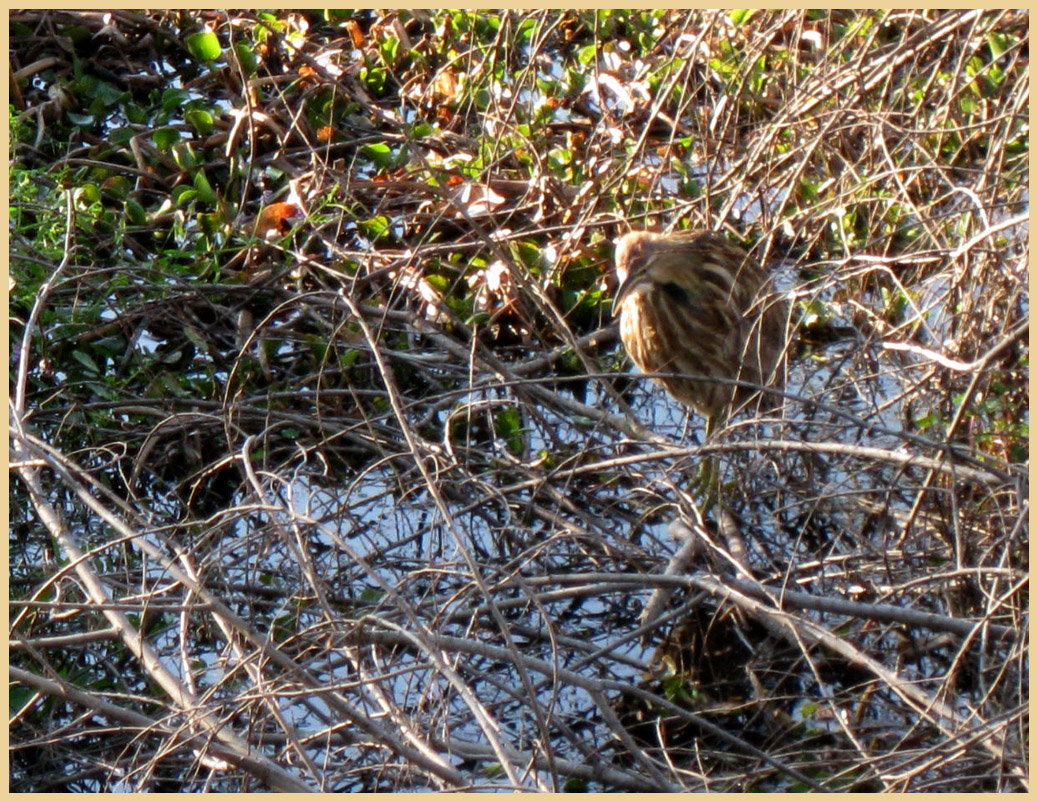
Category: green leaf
[201,120]
[740,15]
[508,426]
[103,391]
[173,99]
[118,186]
[816,313]
[204,46]
[438,282]
[927,421]
[380,153]
[213,223]
[478,319]
[530,254]
[135,213]
[246,57]
[184,156]
[206,194]
[587,54]
[18,696]
[183,195]
[483,99]
[89,193]
[84,359]
[121,136]
[375,227]
[389,49]
[371,595]
[165,138]
[560,157]
[135,114]
[999,43]
[374,78]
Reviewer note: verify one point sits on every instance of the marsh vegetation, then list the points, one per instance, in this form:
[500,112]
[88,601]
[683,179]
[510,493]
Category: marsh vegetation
[328,472]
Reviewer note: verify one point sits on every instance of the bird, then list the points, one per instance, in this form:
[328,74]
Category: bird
[699,312]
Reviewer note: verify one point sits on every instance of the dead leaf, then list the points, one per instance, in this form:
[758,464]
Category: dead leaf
[275,219]
[356,34]
[476,200]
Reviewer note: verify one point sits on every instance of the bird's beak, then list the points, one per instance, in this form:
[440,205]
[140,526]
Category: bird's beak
[622,292]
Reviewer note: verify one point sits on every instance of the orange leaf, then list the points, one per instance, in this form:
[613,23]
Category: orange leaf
[274,219]
[355,33]
[445,87]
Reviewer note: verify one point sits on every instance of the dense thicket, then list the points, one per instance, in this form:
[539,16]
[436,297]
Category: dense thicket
[328,472]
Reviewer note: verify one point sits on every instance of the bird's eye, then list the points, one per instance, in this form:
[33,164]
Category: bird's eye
[676,292]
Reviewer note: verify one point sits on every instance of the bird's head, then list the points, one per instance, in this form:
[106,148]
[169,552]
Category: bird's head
[633,260]
[686,266]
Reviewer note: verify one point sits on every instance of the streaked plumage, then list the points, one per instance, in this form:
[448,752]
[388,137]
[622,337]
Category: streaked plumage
[695,304]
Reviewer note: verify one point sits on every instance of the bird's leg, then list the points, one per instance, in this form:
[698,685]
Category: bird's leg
[707,483]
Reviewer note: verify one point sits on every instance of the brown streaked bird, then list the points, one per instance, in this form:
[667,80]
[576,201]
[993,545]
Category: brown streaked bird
[696,305]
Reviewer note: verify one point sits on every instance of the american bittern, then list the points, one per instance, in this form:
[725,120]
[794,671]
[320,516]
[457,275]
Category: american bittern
[694,307]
